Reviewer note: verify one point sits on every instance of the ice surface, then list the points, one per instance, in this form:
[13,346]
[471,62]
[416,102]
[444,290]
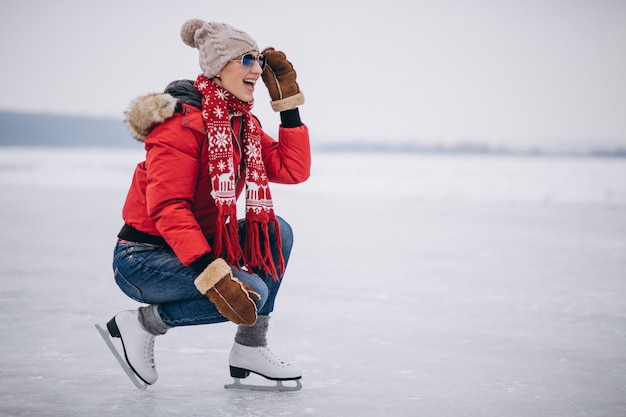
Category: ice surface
[419,285]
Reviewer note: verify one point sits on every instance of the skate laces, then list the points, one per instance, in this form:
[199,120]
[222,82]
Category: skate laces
[148,349]
[272,357]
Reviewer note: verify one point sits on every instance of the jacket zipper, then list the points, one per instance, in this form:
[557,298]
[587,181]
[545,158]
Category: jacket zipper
[238,142]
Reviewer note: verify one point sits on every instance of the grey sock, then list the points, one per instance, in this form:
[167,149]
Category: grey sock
[151,320]
[254,335]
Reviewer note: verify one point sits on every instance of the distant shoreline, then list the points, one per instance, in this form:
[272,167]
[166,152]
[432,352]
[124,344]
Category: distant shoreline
[462,149]
[45,130]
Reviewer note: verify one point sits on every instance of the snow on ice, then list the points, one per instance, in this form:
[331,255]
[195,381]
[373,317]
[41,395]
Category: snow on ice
[419,285]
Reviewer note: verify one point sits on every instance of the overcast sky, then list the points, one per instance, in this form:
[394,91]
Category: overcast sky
[547,73]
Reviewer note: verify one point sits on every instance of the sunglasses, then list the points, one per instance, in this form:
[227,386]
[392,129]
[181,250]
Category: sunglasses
[248,60]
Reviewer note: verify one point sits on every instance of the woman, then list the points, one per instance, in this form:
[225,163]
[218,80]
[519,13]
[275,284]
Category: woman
[182,249]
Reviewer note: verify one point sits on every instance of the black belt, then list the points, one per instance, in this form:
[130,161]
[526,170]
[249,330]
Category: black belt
[130,233]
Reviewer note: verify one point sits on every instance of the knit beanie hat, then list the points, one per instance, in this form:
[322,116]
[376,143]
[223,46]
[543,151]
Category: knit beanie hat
[217,43]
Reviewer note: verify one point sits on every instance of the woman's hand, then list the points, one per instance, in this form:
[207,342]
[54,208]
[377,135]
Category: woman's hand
[280,79]
[232,297]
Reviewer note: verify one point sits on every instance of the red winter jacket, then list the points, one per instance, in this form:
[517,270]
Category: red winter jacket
[170,194]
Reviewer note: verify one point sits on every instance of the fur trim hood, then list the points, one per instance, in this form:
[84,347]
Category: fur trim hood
[145,112]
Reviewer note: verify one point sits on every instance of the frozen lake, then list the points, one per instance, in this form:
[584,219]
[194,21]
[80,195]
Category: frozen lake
[419,285]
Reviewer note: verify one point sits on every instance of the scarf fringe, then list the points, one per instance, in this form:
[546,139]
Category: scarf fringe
[258,251]
[226,240]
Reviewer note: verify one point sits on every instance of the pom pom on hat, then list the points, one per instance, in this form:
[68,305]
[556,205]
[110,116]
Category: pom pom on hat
[217,43]
[188,31]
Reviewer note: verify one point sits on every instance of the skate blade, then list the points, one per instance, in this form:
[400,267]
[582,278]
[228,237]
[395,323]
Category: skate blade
[131,374]
[280,386]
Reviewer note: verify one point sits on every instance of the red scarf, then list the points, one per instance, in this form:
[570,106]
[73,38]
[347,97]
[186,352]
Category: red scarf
[218,105]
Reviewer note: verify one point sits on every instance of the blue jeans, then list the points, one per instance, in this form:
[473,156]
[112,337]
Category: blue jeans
[152,274]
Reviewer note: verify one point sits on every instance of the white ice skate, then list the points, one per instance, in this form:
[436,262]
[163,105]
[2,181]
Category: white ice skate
[263,362]
[138,346]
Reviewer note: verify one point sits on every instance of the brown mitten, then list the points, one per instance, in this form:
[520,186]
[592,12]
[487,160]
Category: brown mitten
[280,79]
[233,298]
